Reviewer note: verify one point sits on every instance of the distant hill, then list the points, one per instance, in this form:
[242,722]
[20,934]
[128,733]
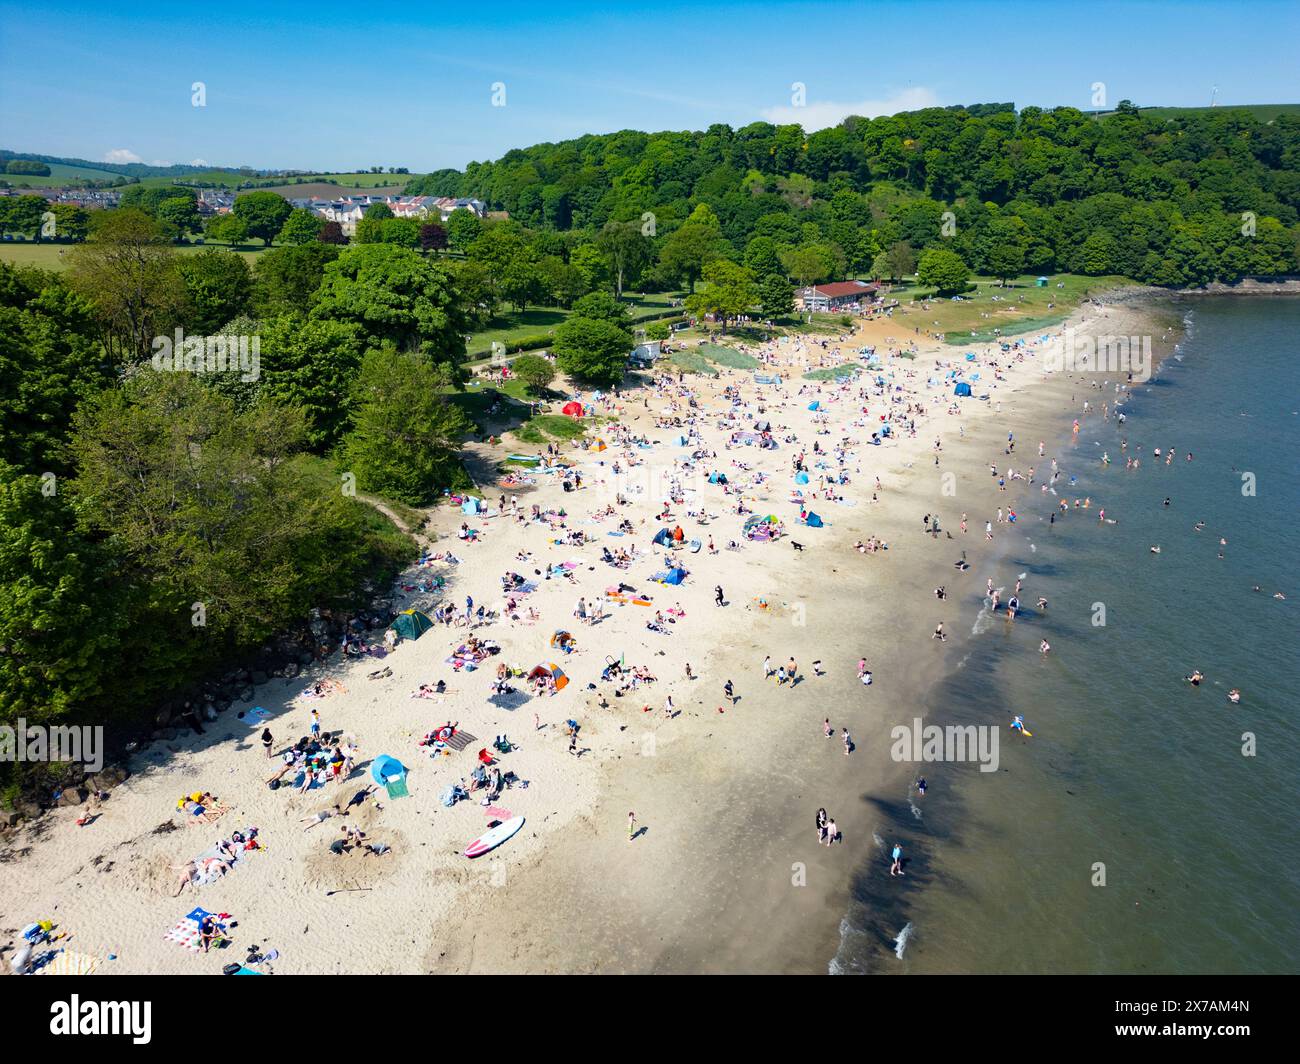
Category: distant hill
[71,172]
[1261,112]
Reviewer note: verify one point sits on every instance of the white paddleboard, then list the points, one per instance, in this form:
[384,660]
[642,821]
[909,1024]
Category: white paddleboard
[490,840]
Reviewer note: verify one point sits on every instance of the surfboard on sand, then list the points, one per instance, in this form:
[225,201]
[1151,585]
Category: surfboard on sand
[494,837]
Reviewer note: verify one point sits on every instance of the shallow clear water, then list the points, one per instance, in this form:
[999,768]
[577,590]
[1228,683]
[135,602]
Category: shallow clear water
[1129,766]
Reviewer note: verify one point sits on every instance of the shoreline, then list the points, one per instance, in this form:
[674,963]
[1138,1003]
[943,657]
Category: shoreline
[701,784]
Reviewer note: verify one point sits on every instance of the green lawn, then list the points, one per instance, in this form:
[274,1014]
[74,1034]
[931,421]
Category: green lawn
[61,175]
[1019,307]
[231,179]
[510,327]
[53,257]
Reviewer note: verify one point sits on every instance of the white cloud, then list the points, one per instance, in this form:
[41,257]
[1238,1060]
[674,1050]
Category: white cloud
[122,155]
[822,115]
[200,162]
[160,162]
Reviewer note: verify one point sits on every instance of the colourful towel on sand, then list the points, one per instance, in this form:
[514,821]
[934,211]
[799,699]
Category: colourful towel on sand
[70,963]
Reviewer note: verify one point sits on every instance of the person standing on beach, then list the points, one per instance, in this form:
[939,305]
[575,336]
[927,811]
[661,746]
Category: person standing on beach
[848,741]
[821,826]
[896,869]
[832,832]
[315,724]
[729,689]
[717,596]
[267,741]
[631,826]
[767,667]
[827,730]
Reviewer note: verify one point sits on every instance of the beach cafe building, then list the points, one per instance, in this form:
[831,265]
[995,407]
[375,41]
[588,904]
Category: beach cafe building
[840,295]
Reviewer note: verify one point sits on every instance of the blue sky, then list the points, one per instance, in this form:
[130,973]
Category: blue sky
[333,85]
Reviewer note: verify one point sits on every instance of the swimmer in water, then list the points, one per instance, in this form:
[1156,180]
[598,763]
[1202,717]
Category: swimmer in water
[1195,678]
[1155,549]
[1234,696]
[1044,647]
[1018,724]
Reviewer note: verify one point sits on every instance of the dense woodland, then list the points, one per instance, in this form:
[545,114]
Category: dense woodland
[158,520]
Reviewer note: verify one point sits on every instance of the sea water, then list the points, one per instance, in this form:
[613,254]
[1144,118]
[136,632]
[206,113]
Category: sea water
[1148,825]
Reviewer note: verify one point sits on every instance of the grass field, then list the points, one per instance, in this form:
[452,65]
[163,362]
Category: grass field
[1019,307]
[326,190]
[336,182]
[61,175]
[1264,112]
[510,327]
[54,257]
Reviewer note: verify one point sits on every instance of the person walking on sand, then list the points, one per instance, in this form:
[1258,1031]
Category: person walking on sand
[896,869]
[821,826]
[315,724]
[631,826]
[832,832]
[827,730]
[729,689]
[848,741]
[717,596]
[267,741]
[767,668]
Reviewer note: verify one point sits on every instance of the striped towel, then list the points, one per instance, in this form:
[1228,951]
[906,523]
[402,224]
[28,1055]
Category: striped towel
[70,963]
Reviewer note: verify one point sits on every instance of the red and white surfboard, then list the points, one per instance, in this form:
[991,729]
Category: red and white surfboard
[490,840]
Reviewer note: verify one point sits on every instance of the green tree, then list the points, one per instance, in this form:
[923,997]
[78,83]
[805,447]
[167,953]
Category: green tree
[463,228]
[312,365]
[688,249]
[397,296]
[58,616]
[775,296]
[301,227]
[22,214]
[1005,261]
[180,216]
[404,437]
[900,260]
[218,286]
[286,278]
[128,271]
[263,214]
[602,306]
[729,291]
[944,270]
[535,371]
[227,229]
[592,350]
[50,360]
[625,250]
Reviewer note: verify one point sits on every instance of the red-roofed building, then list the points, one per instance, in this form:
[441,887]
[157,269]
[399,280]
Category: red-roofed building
[837,296]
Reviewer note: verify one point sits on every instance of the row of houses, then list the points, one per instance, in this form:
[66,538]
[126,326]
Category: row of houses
[348,210]
[89,198]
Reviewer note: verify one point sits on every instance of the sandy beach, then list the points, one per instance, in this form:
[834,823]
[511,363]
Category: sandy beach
[725,872]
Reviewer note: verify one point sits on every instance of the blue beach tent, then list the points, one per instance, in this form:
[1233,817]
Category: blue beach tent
[390,774]
[962,388]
